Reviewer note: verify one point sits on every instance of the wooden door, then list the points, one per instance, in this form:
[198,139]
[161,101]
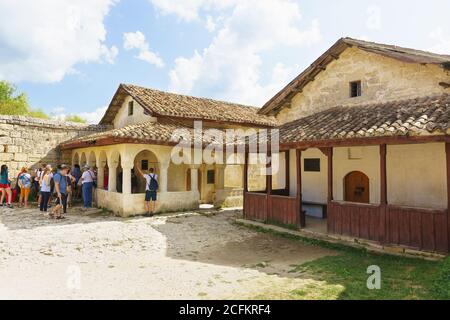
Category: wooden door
[356,187]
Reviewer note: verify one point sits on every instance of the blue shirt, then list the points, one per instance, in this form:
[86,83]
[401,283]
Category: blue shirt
[4,177]
[59,178]
[25,179]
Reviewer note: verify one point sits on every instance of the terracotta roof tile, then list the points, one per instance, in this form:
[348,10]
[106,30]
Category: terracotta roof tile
[167,104]
[159,132]
[421,116]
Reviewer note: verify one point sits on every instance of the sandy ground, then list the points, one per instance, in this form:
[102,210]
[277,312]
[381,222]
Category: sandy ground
[193,255]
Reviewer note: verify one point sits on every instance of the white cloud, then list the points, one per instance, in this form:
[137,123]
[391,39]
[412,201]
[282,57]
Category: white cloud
[93,117]
[42,41]
[189,10]
[136,40]
[442,41]
[373,18]
[210,24]
[232,64]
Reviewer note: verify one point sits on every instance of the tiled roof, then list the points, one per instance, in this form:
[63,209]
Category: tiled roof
[308,75]
[422,116]
[160,132]
[166,104]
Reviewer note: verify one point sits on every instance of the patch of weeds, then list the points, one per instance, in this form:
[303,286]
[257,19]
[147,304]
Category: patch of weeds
[344,276]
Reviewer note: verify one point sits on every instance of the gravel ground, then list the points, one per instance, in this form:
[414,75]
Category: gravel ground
[192,255]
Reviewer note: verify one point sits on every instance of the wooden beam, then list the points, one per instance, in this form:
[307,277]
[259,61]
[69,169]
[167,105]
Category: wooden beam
[383,177]
[245,174]
[287,171]
[330,175]
[352,142]
[302,220]
[269,182]
[447,153]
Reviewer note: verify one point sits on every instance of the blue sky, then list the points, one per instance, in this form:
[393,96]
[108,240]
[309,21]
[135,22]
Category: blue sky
[69,56]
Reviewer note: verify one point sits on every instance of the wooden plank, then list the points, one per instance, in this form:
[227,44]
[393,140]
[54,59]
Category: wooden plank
[364,222]
[441,232]
[404,228]
[416,229]
[428,242]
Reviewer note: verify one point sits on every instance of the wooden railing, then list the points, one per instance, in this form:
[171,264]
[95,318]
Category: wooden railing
[271,209]
[283,210]
[255,206]
[424,229]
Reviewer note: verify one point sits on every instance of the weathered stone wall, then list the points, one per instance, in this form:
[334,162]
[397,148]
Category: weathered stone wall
[382,79]
[28,142]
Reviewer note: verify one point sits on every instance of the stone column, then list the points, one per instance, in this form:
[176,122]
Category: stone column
[112,178]
[126,180]
[220,177]
[194,178]
[100,177]
[163,177]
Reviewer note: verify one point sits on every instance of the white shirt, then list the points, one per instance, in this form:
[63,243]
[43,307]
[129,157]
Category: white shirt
[46,187]
[147,180]
[87,176]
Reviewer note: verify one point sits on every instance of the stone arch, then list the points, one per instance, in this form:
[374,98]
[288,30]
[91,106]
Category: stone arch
[76,159]
[83,159]
[92,159]
[102,159]
[145,159]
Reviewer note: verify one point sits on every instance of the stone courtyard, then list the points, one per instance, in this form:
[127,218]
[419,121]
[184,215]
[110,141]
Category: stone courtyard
[190,255]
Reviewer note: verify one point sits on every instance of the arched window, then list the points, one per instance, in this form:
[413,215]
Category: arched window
[356,187]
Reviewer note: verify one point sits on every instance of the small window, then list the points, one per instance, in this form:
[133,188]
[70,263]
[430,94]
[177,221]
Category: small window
[144,165]
[312,165]
[210,177]
[355,89]
[130,108]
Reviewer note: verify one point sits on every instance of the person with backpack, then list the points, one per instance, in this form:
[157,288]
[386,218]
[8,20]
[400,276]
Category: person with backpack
[88,184]
[151,189]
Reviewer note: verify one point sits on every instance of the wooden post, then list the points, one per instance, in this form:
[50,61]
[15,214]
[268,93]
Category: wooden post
[302,220]
[383,196]
[330,174]
[447,154]
[383,178]
[287,171]
[269,182]
[245,174]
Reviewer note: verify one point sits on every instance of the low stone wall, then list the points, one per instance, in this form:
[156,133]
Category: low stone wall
[29,142]
[127,205]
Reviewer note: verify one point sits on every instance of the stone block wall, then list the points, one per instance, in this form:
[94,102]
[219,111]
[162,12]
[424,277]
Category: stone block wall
[29,142]
[382,79]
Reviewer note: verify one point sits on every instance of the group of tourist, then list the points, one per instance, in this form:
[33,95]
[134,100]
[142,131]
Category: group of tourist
[52,186]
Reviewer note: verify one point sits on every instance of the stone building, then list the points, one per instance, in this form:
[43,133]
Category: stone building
[365,131]
[364,139]
[143,122]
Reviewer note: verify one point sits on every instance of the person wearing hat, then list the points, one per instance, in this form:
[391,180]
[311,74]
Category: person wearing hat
[87,185]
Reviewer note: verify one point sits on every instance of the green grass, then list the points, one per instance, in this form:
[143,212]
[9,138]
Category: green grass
[344,275]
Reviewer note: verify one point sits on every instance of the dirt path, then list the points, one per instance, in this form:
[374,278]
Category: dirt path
[186,256]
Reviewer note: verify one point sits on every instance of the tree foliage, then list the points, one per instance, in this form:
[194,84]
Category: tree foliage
[75,118]
[14,103]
